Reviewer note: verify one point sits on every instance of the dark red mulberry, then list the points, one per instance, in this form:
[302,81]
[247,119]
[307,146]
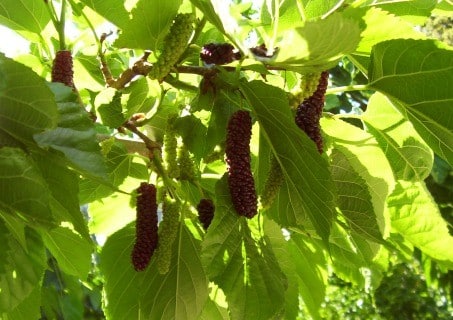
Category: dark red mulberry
[145,226]
[62,68]
[205,210]
[240,178]
[219,53]
[309,112]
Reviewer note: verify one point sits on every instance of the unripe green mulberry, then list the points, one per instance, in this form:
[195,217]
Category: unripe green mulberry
[62,68]
[309,112]
[308,84]
[240,178]
[273,183]
[146,238]
[186,165]
[205,210]
[175,43]
[167,234]
[170,151]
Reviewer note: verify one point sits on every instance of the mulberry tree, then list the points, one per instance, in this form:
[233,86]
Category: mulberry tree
[201,159]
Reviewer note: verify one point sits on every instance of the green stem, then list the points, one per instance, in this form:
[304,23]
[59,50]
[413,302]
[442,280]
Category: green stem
[357,87]
[90,25]
[61,25]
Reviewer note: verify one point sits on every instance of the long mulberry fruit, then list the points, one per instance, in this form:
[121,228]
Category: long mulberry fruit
[170,150]
[309,112]
[186,165]
[62,68]
[240,178]
[206,211]
[145,226]
[273,183]
[175,44]
[167,234]
[219,53]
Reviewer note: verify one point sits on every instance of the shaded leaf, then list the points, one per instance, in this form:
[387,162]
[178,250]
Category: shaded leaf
[239,265]
[72,252]
[306,172]
[23,271]
[29,308]
[425,68]
[75,137]
[180,294]
[23,188]
[354,199]
[27,106]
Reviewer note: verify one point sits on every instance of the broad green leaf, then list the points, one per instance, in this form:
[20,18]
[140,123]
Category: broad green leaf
[354,199]
[273,235]
[112,112]
[240,266]
[379,25]
[72,252]
[411,159]
[415,215]
[23,189]
[16,228]
[320,44]
[415,11]
[120,164]
[193,133]
[315,8]
[23,271]
[28,309]
[425,68]
[306,172]
[213,311]
[149,24]
[369,162]
[63,185]
[180,294]
[27,106]
[113,10]
[311,270]
[75,137]
[142,95]
[27,17]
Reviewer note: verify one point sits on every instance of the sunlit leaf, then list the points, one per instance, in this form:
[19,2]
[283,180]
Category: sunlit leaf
[112,10]
[306,172]
[416,216]
[417,76]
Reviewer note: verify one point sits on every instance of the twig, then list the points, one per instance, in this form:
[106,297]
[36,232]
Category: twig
[151,145]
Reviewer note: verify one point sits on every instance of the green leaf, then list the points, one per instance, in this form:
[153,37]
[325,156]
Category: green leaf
[28,309]
[120,164]
[311,269]
[180,294]
[320,44]
[425,68]
[22,187]
[72,252]
[112,10]
[213,311]
[369,162]
[27,17]
[27,106]
[64,188]
[411,159]
[112,113]
[75,137]
[379,26]
[415,215]
[315,9]
[239,265]
[24,271]
[306,172]
[193,133]
[415,11]
[142,96]
[354,199]
[149,24]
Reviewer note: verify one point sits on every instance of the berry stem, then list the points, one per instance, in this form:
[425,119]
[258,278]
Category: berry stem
[61,25]
[357,87]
